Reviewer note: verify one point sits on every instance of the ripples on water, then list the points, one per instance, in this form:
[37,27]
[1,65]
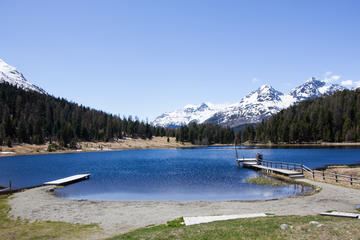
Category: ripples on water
[200,174]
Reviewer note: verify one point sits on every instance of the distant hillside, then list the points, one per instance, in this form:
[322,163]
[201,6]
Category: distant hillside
[331,118]
[28,116]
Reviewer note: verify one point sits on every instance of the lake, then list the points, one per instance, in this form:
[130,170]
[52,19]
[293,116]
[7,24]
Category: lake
[197,174]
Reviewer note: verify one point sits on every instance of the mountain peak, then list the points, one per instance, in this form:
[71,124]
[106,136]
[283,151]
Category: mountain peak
[264,93]
[312,79]
[311,88]
[202,107]
[12,76]
[265,86]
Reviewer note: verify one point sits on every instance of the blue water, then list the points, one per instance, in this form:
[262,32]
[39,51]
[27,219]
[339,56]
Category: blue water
[207,174]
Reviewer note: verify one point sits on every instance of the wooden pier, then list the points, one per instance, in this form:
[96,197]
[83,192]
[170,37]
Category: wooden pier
[69,180]
[292,170]
[289,173]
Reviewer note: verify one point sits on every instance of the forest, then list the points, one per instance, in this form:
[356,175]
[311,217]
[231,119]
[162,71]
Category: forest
[31,117]
[331,118]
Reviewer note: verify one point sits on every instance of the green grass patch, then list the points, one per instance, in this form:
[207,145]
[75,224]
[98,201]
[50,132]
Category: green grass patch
[53,147]
[265,180]
[288,180]
[254,228]
[18,229]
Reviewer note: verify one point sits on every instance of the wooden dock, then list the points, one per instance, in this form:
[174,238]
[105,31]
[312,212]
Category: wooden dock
[286,172]
[69,180]
[291,170]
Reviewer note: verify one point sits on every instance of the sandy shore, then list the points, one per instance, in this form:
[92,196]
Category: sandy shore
[118,217]
[156,142]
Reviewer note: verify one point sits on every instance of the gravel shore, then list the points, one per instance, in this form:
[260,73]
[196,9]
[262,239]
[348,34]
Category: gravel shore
[39,204]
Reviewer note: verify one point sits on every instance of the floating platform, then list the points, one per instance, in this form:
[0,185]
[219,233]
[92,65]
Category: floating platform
[4,189]
[69,180]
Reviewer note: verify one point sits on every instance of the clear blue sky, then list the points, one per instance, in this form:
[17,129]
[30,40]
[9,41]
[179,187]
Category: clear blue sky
[147,57]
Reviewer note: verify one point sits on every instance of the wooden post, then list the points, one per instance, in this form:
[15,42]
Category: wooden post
[302,168]
[271,164]
[281,164]
[313,174]
[237,163]
[323,174]
[336,177]
[10,185]
[351,180]
[236,152]
[287,166]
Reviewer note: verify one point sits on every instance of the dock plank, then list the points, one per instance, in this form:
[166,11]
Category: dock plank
[68,180]
[206,219]
[341,214]
[278,170]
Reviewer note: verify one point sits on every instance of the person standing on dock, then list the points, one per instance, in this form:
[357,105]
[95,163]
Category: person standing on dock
[259,158]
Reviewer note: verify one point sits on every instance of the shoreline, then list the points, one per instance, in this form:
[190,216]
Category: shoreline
[116,217]
[128,144]
[154,143]
[320,144]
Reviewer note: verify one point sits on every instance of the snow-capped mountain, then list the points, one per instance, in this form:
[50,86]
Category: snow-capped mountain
[313,88]
[254,107]
[190,113]
[12,76]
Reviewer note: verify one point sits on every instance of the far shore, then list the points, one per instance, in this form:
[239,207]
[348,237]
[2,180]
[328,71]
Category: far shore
[154,143]
[126,144]
[312,144]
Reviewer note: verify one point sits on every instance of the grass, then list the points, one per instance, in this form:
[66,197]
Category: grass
[18,229]
[265,180]
[254,228]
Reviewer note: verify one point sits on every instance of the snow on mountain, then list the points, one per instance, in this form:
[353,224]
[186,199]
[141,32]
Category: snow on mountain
[254,107]
[190,113]
[314,88]
[12,76]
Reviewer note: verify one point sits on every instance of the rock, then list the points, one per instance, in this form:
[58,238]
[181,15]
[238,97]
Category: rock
[284,226]
[314,222]
[320,225]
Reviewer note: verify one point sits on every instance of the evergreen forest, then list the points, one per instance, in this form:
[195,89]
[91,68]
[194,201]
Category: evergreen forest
[35,118]
[330,118]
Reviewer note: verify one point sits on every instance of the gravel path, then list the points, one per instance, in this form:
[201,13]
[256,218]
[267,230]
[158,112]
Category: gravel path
[118,217]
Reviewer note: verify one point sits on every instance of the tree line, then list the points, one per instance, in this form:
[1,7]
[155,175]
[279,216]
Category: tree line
[31,117]
[331,118]
[204,134]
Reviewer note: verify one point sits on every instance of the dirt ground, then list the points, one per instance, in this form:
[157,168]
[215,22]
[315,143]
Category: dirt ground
[341,170]
[156,142]
[345,170]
